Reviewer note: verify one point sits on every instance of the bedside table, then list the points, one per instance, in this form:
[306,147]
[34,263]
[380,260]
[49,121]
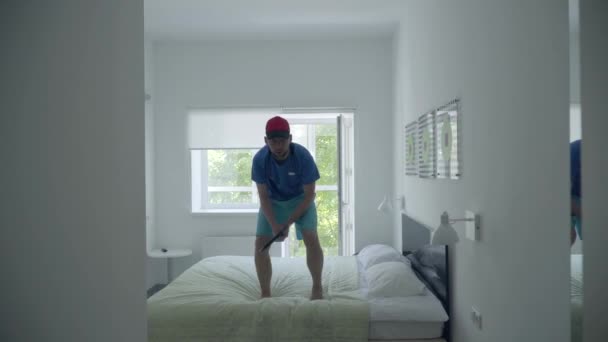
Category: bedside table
[169,254]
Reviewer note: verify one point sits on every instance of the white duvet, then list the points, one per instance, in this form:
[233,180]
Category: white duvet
[576,296]
[218,300]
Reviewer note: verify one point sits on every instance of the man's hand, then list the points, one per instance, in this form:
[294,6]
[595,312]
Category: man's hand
[276,228]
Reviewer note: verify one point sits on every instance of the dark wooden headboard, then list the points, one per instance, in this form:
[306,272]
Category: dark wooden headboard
[416,246]
[414,234]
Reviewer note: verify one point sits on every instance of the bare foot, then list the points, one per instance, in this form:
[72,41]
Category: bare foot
[317,293]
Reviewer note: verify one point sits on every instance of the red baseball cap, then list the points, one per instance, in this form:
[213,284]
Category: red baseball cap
[277,127]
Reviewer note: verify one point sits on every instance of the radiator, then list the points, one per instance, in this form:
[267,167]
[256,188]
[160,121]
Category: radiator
[233,245]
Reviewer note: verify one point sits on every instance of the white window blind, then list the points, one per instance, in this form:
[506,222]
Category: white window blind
[228,128]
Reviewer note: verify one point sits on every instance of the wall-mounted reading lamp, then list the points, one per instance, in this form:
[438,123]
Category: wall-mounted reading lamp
[386,206]
[445,234]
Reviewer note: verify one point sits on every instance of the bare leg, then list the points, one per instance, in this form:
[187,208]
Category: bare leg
[263,266]
[572,236]
[314,260]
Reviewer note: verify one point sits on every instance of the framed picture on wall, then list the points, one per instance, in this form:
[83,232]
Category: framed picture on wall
[426,145]
[447,144]
[411,131]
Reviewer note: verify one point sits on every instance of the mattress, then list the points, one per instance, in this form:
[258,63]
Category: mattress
[403,318]
[185,309]
[217,299]
[576,297]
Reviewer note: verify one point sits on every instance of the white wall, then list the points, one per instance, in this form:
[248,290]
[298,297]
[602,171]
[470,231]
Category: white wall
[149,133]
[508,62]
[269,73]
[575,63]
[594,72]
[72,147]
[398,154]
[155,267]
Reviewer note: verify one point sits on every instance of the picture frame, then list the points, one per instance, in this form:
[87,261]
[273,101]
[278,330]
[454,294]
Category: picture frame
[448,141]
[411,133]
[426,145]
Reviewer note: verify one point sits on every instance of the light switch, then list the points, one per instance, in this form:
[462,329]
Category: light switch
[473,226]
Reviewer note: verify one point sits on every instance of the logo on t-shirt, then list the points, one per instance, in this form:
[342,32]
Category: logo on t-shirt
[291,173]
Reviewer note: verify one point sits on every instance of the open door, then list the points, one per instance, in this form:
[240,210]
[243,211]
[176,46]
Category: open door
[346,183]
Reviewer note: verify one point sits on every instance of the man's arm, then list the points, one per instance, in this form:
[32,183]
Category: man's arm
[309,196]
[575,210]
[266,206]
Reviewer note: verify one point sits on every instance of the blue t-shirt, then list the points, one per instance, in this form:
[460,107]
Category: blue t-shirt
[575,168]
[285,179]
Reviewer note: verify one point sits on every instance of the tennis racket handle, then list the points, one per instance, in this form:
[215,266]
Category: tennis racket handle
[274,238]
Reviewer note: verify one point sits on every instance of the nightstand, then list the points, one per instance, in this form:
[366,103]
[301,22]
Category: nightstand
[169,254]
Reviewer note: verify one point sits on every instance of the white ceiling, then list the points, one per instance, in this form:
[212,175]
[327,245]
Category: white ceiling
[271,19]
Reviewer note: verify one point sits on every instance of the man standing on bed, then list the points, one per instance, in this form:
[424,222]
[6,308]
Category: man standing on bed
[576,215]
[285,174]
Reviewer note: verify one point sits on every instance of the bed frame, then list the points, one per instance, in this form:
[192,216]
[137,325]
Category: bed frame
[417,237]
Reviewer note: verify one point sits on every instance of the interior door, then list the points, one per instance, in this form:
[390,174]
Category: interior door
[346,183]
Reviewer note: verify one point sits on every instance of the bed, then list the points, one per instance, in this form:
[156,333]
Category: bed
[217,299]
[576,296]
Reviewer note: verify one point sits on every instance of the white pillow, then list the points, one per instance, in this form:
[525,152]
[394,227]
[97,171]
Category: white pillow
[375,254]
[393,279]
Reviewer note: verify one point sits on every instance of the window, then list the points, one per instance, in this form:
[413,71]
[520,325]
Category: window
[221,179]
[222,145]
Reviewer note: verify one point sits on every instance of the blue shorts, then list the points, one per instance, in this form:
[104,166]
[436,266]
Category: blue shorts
[282,210]
[576,221]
